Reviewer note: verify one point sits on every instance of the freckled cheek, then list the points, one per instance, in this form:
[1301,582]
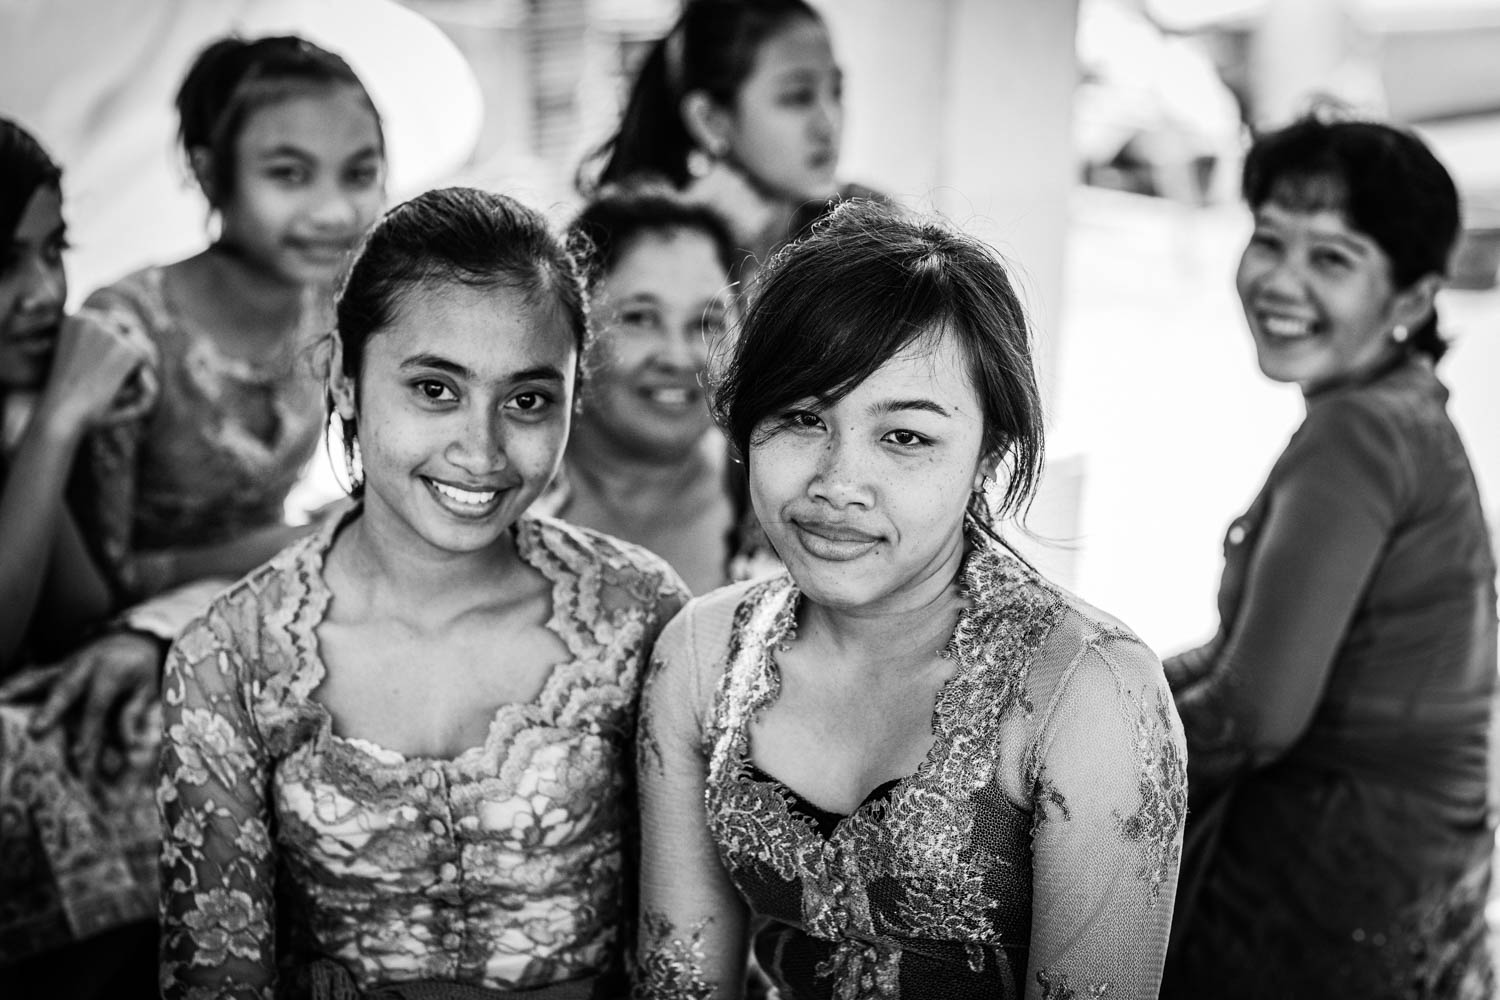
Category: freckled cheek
[535,452]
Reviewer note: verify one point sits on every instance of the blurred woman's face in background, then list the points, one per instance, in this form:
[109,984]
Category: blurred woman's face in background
[33,289]
[1318,296]
[309,180]
[788,118]
[661,307]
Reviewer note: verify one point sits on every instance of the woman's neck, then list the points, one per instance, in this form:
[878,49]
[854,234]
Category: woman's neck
[919,622]
[633,480]
[228,291]
[391,571]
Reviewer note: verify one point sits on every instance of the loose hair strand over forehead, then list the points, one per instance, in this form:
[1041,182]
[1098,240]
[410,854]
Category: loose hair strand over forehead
[832,308]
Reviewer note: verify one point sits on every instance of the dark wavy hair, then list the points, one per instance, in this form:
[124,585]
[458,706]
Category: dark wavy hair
[832,308]
[1385,182]
[461,236]
[234,77]
[25,166]
[615,218]
[712,47]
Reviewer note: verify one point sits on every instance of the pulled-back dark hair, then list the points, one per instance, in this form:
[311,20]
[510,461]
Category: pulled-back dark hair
[832,308]
[1385,182]
[611,223]
[234,77]
[461,236]
[25,167]
[712,47]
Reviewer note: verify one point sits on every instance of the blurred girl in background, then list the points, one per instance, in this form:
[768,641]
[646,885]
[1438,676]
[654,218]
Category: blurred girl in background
[286,146]
[77,827]
[397,757]
[740,105]
[1338,723]
[644,461]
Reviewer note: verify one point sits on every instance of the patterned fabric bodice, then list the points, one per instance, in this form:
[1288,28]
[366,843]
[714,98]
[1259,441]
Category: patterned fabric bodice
[500,867]
[1009,864]
[217,454]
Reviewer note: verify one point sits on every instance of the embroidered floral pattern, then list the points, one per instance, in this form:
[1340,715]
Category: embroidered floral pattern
[1157,825]
[910,894]
[1055,987]
[671,966]
[500,867]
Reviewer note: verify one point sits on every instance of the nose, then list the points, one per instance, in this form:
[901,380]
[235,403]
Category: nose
[335,209]
[1282,275]
[46,286]
[479,446]
[684,350]
[841,477]
[828,119]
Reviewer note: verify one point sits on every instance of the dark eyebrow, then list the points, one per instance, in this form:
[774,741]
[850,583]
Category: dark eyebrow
[640,297]
[898,405]
[440,363]
[1354,246]
[541,373]
[276,152]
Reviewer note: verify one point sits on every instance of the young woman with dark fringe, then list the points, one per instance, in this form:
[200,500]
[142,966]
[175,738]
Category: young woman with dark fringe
[910,765]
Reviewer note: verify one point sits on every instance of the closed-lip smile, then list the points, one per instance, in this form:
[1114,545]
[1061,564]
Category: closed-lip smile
[831,540]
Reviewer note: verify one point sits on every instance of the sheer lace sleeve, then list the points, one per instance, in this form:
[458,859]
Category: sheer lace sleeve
[217,866]
[1334,499]
[1110,789]
[693,928]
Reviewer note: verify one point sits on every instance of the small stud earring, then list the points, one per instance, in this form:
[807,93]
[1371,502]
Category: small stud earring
[1399,333]
[699,163]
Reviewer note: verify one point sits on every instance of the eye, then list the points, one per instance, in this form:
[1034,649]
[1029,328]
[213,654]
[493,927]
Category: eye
[288,174]
[801,97]
[433,391]
[1265,241]
[530,403]
[639,318]
[907,439]
[363,176]
[1331,259]
[53,251]
[802,420]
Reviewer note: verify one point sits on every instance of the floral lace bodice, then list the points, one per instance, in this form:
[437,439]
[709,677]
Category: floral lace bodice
[1034,852]
[286,844]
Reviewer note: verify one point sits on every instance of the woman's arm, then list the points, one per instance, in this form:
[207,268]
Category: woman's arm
[1331,510]
[693,924]
[154,572]
[37,536]
[217,865]
[1109,784]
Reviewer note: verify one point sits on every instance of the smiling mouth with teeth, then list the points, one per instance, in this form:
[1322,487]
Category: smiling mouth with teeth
[1285,327]
[474,498]
[670,397]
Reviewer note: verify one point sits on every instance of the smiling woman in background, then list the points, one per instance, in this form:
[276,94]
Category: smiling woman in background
[1338,723]
[644,461]
[912,766]
[287,148]
[740,105]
